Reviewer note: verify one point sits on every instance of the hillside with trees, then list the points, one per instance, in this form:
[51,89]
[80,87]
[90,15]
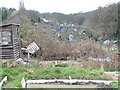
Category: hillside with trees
[104,20]
[51,31]
[81,46]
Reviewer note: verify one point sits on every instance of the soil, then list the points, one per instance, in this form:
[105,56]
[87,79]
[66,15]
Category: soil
[112,75]
[47,78]
[69,85]
[70,63]
[59,86]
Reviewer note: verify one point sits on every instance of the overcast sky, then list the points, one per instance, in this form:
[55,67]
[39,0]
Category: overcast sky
[62,6]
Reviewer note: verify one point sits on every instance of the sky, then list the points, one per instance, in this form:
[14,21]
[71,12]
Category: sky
[61,6]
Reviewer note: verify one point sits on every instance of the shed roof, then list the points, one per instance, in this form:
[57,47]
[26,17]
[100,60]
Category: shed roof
[5,25]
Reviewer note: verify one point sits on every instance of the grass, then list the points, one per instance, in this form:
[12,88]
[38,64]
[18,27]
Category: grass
[16,73]
[116,84]
[112,70]
[62,65]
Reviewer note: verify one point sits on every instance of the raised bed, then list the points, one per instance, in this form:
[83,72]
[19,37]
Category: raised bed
[65,83]
[3,81]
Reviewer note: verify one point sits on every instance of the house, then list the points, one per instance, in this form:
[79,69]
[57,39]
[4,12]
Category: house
[10,43]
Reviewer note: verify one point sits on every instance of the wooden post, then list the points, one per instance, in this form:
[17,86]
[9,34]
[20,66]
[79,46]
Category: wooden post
[102,67]
[23,83]
[2,82]
[28,55]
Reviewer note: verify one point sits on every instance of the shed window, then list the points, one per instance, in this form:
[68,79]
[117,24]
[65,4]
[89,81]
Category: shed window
[5,37]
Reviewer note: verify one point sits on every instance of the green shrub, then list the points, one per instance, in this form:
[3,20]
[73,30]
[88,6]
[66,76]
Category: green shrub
[61,65]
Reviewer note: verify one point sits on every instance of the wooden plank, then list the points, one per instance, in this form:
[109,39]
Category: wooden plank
[16,52]
[6,29]
[6,47]
[16,55]
[23,83]
[5,44]
[8,58]
[6,50]
[16,46]
[15,49]
[8,53]
[2,56]
[3,80]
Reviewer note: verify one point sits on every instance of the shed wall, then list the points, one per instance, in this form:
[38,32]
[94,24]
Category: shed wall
[10,51]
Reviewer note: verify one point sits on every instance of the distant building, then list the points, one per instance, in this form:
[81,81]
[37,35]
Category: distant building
[45,20]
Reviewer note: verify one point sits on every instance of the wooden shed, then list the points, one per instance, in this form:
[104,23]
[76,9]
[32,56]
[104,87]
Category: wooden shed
[10,43]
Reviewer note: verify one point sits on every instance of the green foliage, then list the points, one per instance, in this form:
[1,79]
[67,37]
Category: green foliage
[116,84]
[57,71]
[61,65]
[22,34]
[5,13]
[111,70]
[103,22]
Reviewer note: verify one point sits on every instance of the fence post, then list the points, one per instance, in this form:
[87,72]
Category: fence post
[23,83]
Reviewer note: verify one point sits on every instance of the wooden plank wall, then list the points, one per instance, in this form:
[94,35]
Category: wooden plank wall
[16,49]
[11,51]
[6,52]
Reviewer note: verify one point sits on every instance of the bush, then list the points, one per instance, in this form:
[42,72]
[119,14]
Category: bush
[61,65]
